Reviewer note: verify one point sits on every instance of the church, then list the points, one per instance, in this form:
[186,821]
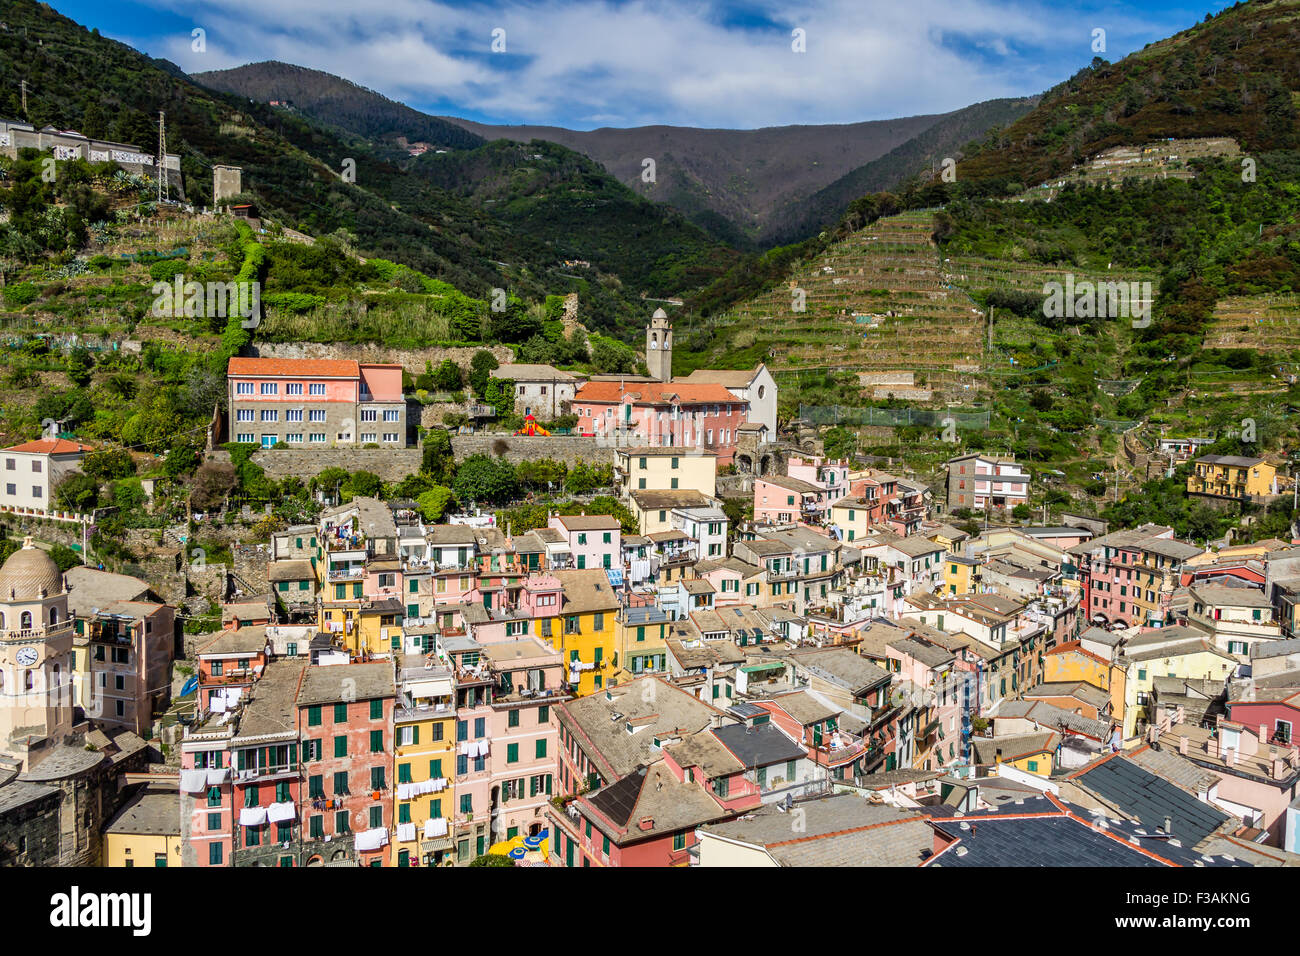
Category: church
[58,776]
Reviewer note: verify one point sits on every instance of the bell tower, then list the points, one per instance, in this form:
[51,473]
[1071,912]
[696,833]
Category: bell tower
[659,346]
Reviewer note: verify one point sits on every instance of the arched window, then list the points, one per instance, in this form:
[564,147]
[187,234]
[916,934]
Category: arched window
[2,681]
[54,616]
[26,620]
[28,680]
[2,620]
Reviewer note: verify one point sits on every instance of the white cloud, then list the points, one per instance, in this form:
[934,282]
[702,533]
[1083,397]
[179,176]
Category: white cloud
[599,62]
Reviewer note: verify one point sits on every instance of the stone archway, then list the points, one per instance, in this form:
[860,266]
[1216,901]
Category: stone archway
[765,465]
[744,464]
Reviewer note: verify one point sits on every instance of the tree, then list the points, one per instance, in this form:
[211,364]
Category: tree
[212,483]
[78,492]
[515,324]
[362,484]
[107,464]
[839,442]
[80,365]
[492,859]
[611,357]
[433,503]
[64,557]
[1022,511]
[448,377]
[480,369]
[439,461]
[485,480]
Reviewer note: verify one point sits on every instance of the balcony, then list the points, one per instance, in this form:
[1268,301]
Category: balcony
[346,574]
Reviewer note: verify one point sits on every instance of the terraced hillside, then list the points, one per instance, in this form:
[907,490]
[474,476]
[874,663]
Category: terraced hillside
[1166,159]
[874,302]
[1264,323]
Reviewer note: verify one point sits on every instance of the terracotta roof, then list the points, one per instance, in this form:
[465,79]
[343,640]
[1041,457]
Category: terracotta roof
[654,393]
[50,446]
[327,368]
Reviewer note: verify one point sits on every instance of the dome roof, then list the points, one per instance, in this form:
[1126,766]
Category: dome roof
[29,575]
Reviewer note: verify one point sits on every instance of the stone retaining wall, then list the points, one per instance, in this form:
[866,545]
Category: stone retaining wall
[411,359]
[390,464]
[516,448]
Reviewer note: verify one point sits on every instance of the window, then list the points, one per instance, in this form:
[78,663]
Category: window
[341,783]
[245,415]
[270,388]
[340,713]
[293,388]
[341,746]
[316,415]
[242,388]
[543,714]
[679,840]
[512,753]
[215,854]
[466,803]
[512,718]
[376,741]
[316,826]
[313,716]
[341,822]
[316,389]
[369,415]
[376,709]
[315,786]
[377,778]
[392,415]
[541,749]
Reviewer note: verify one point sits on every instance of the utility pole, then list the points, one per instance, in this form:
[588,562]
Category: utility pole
[23,86]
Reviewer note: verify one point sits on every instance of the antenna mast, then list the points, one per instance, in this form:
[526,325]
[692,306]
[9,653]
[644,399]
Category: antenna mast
[164,192]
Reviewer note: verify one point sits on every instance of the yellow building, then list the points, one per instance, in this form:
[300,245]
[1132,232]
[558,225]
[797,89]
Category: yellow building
[1231,476]
[653,509]
[585,630]
[145,832]
[853,517]
[951,538]
[373,627]
[1069,663]
[642,642]
[1033,753]
[960,574]
[424,761]
[666,469]
[1193,659]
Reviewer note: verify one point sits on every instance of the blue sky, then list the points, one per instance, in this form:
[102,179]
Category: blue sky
[590,63]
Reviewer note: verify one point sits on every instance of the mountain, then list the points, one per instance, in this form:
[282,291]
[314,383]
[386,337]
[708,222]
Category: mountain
[922,153]
[339,103]
[1231,75]
[732,182]
[292,165]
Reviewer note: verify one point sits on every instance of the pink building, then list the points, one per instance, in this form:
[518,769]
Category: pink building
[207,799]
[595,541]
[782,500]
[662,414]
[831,476]
[927,672]
[530,680]
[315,403]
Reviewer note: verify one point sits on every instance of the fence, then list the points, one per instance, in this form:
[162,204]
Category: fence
[891,417]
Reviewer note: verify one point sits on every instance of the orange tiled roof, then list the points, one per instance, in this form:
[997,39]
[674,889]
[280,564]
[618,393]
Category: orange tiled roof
[654,393]
[307,368]
[50,446]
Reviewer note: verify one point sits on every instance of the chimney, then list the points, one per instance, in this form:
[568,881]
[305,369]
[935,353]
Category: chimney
[1263,733]
[1182,746]
[1169,825]
[1230,756]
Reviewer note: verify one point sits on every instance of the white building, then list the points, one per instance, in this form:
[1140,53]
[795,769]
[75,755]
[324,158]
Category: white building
[544,392]
[706,526]
[31,471]
[755,386]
